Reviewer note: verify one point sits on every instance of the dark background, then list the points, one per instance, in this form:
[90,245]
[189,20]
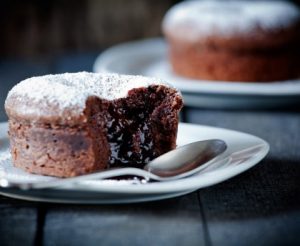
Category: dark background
[43,29]
[34,29]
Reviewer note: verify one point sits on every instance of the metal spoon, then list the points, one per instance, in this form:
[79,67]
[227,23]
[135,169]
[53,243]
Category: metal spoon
[178,163]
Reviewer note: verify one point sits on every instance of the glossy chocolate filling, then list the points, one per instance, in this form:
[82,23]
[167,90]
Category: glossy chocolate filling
[139,124]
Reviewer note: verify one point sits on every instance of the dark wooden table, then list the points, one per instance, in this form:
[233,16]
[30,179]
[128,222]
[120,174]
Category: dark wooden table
[258,207]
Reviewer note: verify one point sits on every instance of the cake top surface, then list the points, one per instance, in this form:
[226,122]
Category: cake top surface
[229,17]
[68,92]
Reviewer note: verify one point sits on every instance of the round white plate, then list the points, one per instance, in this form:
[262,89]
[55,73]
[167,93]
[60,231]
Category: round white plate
[243,152]
[149,58]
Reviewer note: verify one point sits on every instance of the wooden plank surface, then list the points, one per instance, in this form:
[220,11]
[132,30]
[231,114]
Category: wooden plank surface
[174,221]
[18,222]
[261,206]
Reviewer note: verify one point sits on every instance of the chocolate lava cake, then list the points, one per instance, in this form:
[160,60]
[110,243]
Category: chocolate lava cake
[76,123]
[238,40]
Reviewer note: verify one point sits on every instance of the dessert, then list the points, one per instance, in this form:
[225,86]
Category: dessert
[246,41]
[76,123]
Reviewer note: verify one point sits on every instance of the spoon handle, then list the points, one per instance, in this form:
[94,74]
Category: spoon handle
[4,183]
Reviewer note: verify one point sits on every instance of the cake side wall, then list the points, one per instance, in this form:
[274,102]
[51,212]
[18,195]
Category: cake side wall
[51,150]
[200,61]
[165,119]
[97,115]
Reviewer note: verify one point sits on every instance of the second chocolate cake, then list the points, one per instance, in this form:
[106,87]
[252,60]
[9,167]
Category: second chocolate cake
[236,41]
[71,124]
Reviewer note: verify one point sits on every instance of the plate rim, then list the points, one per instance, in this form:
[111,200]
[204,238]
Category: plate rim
[155,197]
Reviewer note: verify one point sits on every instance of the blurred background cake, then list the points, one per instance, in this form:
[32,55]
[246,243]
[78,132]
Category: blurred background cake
[234,40]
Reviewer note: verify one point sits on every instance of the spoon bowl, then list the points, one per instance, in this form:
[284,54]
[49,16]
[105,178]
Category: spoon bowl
[178,163]
[187,159]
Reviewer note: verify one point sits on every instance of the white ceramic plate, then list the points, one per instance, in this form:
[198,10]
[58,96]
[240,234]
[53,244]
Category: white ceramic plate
[243,152]
[149,57]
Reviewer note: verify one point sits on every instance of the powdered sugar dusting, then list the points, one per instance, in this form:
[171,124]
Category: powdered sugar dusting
[50,89]
[229,17]
[71,90]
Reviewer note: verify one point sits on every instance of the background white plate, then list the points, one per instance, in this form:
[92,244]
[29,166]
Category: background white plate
[149,57]
[230,163]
